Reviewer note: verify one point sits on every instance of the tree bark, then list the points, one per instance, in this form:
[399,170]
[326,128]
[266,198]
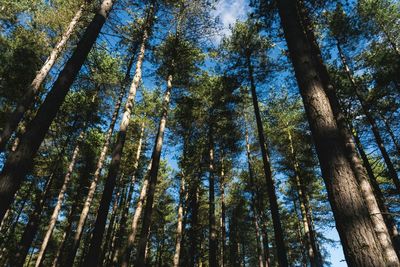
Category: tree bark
[179,227]
[212,224]
[371,120]
[223,211]
[127,249]
[20,161]
[95,246]
[354,223]
[153,176]
[27,100]
[60,200]
[273,202]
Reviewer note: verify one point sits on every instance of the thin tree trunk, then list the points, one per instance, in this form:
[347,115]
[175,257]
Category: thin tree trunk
[122,230]
[223,211]
[127,249]
[371,120]
[92,188]
[98,232]
[60,200]
[20,161]
[27,100]
[194,235]
[391,133]
[153,176]
[212,224]
[310,239]
[273,202]
[179,228]
[354,223]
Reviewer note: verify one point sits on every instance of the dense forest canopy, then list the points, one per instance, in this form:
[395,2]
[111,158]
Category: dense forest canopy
[199,133]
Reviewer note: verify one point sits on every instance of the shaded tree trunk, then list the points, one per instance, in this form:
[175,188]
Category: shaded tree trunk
[153,176]
[60,200]
[16,116]
[179,227]
[20,161]
[353,221]
[371,120]
[212,224]
[97,237]
[223,211]
[273,202]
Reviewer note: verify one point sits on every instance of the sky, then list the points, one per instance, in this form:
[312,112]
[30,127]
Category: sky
[228,12]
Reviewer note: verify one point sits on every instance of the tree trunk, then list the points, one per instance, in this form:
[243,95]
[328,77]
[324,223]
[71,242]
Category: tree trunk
[273,202]
[127,249]
[212,224]
[179,228]
[391,134]
[194,234]
[60,200]
[356,229]
[371,120]
[125,212]
[310,238]
[97,237]
[223,210]
[153,176]
[30,230]
[20,161]
[12,123]
[92,188]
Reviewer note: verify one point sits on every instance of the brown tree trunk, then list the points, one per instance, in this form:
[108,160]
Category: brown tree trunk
[20,161]
[92,188]
[391,134]
[212,224]
[127,249]
[371,120]
[273,202]
[179,227]
[153,176]
[354,223]
[27,100]
[194,233]
[310,238]
[223,211]
[60,200]
[125,211]
[97,237]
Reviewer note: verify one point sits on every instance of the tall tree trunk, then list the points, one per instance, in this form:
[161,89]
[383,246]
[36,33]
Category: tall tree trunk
[212,224]
[127,249]
[30,230]
[122,230]
[92,188]
[193,233]
[310,238]
[97,237]
[27,100]
[223,211]
[179,227]
[391,133]
[20,161]
[273,202]
[380,198]
[260,246]
[153,176]
[371,120]
[60,200]
[354,223]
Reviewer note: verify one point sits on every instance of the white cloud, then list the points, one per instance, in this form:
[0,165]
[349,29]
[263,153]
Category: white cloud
[227,12]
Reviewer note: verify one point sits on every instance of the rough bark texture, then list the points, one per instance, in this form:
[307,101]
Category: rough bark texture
[20,161]
[27,100]
[356,229]
[223,211]
[60,200]
[153,177]
[273,202]
[98,232]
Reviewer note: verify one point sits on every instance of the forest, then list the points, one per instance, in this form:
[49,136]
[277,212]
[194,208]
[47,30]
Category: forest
[199,133]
